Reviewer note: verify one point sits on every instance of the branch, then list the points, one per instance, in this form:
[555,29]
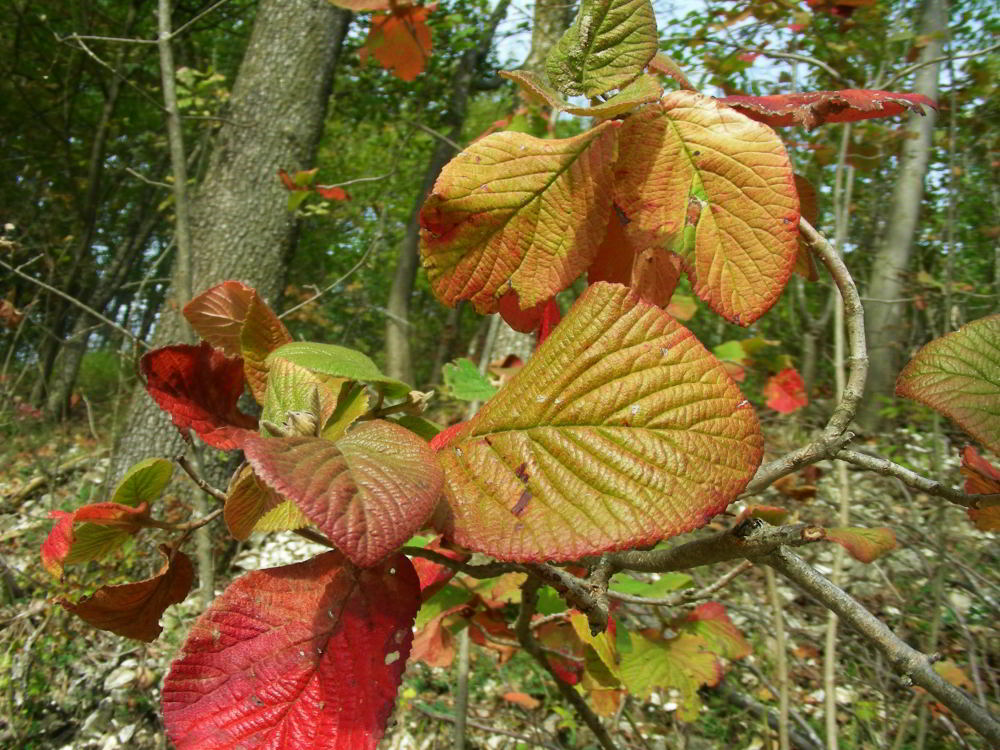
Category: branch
[923,63]
[748,540]
[128,334]
[887,468]
[589,597]
[485,727]
[906,660]
[195,477]
[529,602]
[799,58]
[489,570]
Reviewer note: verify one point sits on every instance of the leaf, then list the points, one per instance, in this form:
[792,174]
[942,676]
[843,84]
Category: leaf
[714,187]
[261,334]
[665,65]
[359,6]
[525,321]
[247,501]
[598,429]
[307,655]
[770,513]
[291,388]
[602,643]
[522,699]
[864,545]
[662,586]
[217,315]
[551,317]
[959,376]
[652,273]
[283,517]
[332,192]
[536,88]
[981,478]
[608,45]
[134,609]
[560,636]
[400,41]
[517,213]
[369,492]
[786,391]
[643,89]
[432,575]
[809,207]
[710,622]
[813,108]
[143,482]
[339,362]
[198,387]
[463,380]
[103,527]
[682,663]
[433,643]
[682,307]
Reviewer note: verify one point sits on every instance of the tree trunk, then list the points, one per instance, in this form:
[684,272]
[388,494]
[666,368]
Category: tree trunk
[398,358]
[241,228]
[884,315]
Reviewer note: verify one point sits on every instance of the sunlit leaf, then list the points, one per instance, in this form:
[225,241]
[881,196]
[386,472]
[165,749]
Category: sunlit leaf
[786,391]
[620,431]
[705,182]
[606,48]
[217,314]
[198,387]
[291,388]
[302,656]
[134,609]
[262,333]
[959,376]
[339,362]
[864,545]
[663,64]
[143,482]
[285,516]
[517,213]
[247,501]
[463,380]
[369,492]
[682,663]
[602,643]
[813,108]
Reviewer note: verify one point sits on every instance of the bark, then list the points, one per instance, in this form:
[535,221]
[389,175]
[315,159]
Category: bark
[884,316]
[399,359]
[240,226]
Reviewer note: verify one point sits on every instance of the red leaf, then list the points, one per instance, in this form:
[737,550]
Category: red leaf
[981,478]
[551,316]
[62,545]
[10,316]
[302,656]
[289,183]
[839,8]
[814,108]
[864,545]
[653,273]
[262,333]
[332,192]
[198,387]
[134,609]
[443,438]
[711,622]
[368,492]
[400,41]
[786,391]
[525,321]
[560,636]
[217,315]
[433,576]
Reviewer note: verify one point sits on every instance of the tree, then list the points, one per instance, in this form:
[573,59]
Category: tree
[620,432]
[240,223]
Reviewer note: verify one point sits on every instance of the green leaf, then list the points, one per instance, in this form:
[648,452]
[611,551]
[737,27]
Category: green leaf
[657,589]
[293,388]
[682,663]
[602,643]
[641,91]
[143,482]
[463,380]
[711,622]
[608,45]
[702,180]
[247,502]
[959,376]
[517,213]
[444,599]
[425,428]
[620,431]
[285,516]
[340,362]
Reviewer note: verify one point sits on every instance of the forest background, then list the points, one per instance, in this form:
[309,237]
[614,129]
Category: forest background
[87,203]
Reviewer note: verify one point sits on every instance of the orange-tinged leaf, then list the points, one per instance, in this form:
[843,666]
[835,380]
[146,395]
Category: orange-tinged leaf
[786,391]
[809,207]
[522,699]
[359,6]
[682,663]
[643,89]
[219,314]
[308,655]
[652,273]
[262,333]
[58,542]
[813,108]
[701,180]
[433,644]
[959,376]
[598,429]
[247,501]
[710,622]
[400,41]
[89,533]
[663,64]
[770,513]
[981,478]
[369,492]
[864,545]
[134,609]
[517,213]
[683,307]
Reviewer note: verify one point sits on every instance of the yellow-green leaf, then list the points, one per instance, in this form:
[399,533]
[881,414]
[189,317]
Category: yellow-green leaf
[517,213]
[620,431]
[143,482]
[702,180]
[959,376]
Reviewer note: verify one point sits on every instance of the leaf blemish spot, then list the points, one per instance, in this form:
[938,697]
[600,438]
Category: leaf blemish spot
[540,399]
[522,503]
[665,351]
[458,451]
[392,571]
[742,403]
[634,409]
[391,657]
[399,635]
